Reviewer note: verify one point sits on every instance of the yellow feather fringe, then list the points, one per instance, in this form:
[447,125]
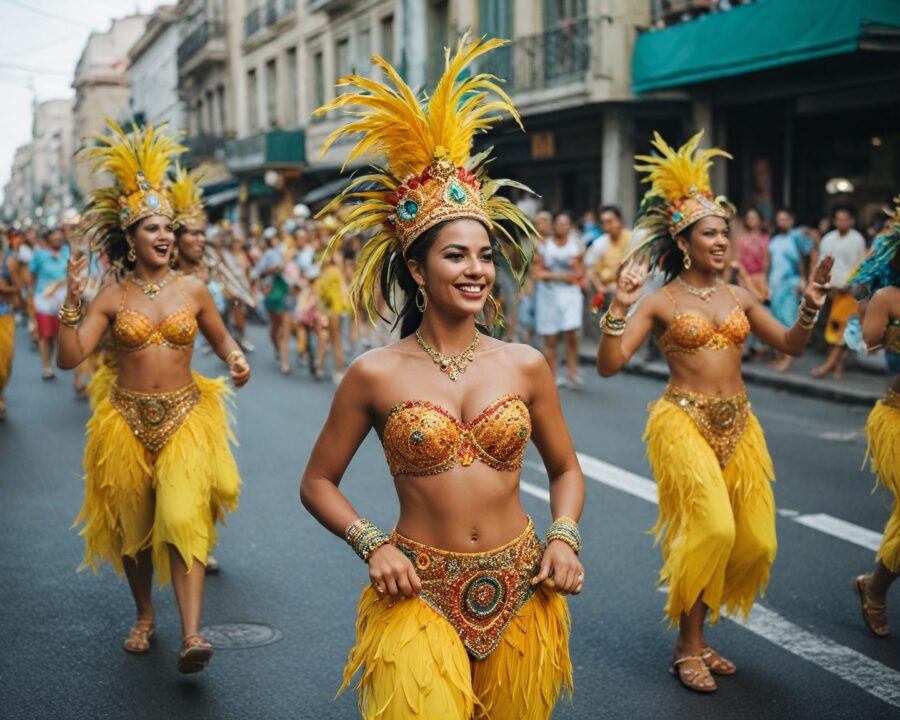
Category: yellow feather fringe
[717,527]
[134,501]
[186,195]
[673,175]
[7,348]
[102,381]
[883,432]
[415,666]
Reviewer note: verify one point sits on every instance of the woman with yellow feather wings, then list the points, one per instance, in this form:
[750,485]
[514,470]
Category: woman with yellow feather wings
[707,451]
[465,615]
[159,472]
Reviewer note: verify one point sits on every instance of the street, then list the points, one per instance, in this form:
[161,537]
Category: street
[805,653]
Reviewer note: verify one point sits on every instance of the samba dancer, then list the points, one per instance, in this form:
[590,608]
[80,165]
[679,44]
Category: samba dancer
[878,276]
[709,457]
[9,292]
[472,629]
[159,470]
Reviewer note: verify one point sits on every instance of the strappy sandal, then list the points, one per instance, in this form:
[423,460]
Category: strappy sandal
[874,614]
[716,663]
[692,677]
[195,654]
[138,640]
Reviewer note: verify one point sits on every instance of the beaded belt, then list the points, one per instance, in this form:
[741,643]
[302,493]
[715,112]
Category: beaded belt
[154,417]
[720,420]
[478,593]
[892,399]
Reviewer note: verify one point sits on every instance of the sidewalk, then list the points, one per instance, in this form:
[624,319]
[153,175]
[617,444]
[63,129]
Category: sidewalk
[863,383]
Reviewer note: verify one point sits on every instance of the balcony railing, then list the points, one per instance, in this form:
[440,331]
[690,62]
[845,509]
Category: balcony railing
[270,149]
[251,23]
[556,57]
[199,39]
[203,147]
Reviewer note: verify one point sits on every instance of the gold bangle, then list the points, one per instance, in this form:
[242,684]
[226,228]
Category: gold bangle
[234,355]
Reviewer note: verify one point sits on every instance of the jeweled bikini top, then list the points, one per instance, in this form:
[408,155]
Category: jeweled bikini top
[690,333]
[420,438]
[134,331]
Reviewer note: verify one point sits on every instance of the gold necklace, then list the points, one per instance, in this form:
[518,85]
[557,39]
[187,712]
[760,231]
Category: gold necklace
[453,365]
[151,290]
[704,293]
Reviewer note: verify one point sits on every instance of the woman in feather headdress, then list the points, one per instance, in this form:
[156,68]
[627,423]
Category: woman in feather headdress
[877,282]
[464,616]
[709,457]
[158,468]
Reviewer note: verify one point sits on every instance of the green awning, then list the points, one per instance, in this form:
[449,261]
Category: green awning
[757,36]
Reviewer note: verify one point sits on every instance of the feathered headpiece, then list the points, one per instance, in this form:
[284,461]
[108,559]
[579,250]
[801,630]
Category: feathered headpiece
[185,196]
[429,174]
[880,267]
[138,162]
[679,195]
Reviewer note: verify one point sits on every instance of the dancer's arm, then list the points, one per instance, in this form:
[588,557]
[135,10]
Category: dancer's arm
[213,328]
[349,421]
[793,340]
[552,440]
[615,351]
[77,343]
[876,318]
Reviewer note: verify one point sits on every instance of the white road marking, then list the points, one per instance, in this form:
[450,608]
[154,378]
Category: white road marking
[841,529]
[865,673]
[645,489]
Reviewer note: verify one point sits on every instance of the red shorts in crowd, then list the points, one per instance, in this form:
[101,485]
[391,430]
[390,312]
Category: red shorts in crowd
[47,325]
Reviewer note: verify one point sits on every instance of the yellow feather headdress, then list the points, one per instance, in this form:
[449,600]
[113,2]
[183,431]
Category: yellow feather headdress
[138,161]
[186,196]
[429,174]
[679,195]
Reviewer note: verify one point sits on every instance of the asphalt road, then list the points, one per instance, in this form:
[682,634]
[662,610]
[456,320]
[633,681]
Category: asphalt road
[805,654]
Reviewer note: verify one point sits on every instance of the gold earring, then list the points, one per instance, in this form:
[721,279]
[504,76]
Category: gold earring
[687,262]
[173,260]
[497,310]
[132,255]
[421,299]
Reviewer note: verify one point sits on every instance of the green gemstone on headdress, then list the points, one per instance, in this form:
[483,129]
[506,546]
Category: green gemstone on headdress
[407,210]
[457,194]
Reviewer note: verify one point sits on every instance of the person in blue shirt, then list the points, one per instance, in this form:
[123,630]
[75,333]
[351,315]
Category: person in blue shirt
[789,250]
[48,271]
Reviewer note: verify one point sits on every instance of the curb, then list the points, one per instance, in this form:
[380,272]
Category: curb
[807,387]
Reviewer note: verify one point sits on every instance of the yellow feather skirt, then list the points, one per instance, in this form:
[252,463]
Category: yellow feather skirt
[717,526]
[7,348]
[415,666]
[102,380]
[136,500]
[883,432]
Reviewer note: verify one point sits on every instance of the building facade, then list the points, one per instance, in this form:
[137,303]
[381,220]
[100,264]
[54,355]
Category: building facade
[101,90]
[18,200]
[153,72]
[51,160]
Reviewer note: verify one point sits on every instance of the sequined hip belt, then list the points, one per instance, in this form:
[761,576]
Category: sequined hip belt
[892,399]
[720,420]
[155,417]
[478,593]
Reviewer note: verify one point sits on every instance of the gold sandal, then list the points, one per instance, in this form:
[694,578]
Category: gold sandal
[691,677]
[716,663]
[874,614]
[195,654]
[138,640]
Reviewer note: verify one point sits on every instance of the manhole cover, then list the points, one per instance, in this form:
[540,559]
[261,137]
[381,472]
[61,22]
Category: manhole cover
[236,636]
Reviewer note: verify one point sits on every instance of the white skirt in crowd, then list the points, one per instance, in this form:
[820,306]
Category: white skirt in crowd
[558,307]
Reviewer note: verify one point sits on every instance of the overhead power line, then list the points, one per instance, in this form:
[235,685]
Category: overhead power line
[47,13]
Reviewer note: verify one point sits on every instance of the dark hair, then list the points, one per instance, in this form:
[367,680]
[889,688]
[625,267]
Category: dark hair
[409,317]
[843,208]
[753,209]
[672,262]
[785,209]
[612,209]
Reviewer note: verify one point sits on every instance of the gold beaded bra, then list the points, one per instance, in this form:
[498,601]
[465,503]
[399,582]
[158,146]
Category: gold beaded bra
[690,332]
[421,438]
[134,331]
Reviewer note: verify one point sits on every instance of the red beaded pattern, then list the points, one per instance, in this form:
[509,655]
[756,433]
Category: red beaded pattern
[478,593]
[421,438]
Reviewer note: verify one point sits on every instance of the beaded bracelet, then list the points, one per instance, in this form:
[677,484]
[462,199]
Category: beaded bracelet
[565,529]
[71,317]
[234,355]
[807,316]
[612,325]
[365,538]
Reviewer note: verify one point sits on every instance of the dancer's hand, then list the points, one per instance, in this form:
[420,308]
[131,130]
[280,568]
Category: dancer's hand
[819,284]
[561,569]
[76,280]
[240,372]
[628,288]
[392,574]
